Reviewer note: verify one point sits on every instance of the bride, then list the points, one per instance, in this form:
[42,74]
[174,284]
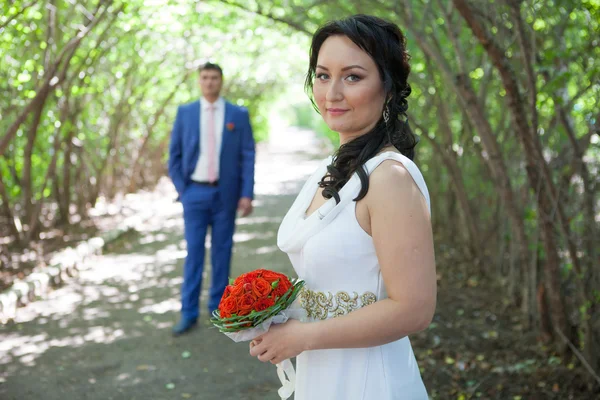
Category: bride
[359,233]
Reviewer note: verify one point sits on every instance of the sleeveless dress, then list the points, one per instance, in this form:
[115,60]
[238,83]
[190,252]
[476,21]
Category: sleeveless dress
[336,258]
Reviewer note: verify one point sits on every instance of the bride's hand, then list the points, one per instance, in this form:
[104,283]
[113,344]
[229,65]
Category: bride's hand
[281,342]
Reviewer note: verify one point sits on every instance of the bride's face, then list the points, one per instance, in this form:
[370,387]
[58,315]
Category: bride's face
[347,88]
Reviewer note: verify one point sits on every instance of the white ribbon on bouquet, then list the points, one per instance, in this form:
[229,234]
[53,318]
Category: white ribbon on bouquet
[285,369]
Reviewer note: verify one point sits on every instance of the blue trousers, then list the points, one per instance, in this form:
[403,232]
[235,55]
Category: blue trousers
[202,207]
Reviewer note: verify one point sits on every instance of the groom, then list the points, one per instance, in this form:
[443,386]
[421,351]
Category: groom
[211,163]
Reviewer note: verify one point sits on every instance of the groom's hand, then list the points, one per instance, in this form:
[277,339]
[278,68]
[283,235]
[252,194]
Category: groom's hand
[245,206]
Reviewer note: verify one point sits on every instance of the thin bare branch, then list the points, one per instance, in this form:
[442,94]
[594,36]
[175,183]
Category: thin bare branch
[268,15]
[15,15]
[528,59]
[460,57]
[578,354]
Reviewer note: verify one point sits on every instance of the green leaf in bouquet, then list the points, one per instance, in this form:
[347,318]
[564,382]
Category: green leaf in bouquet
[231,281]
[275,284]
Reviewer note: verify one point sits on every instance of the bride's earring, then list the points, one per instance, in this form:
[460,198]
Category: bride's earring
[386,114]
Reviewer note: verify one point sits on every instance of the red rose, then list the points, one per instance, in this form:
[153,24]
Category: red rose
[248,277]
[228,306]
[239,279]
[245,304]
[282,287]
[261,287]
[263,304]
[237,290]
[226,293]
[271,276]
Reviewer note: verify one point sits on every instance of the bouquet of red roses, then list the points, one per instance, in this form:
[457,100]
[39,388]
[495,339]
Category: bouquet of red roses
[252,299]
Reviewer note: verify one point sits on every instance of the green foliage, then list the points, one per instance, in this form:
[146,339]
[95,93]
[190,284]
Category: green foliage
[123,83]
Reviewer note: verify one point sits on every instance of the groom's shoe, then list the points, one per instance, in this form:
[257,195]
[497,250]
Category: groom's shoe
[184,325]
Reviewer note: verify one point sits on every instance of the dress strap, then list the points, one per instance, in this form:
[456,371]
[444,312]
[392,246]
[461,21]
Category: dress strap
[410,166]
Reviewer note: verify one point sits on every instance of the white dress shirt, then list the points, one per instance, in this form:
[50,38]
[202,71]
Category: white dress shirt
[201,171]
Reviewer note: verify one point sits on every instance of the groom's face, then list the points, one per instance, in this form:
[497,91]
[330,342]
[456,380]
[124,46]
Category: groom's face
[210,82]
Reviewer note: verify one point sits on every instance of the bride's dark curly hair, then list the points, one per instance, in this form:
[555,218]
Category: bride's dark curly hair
[386,45]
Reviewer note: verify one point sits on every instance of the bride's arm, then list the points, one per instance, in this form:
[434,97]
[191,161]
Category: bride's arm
[401,231]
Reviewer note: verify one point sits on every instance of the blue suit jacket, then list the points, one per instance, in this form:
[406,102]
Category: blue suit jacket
[236,162]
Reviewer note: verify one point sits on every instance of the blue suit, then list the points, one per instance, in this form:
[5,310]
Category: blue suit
[205,206]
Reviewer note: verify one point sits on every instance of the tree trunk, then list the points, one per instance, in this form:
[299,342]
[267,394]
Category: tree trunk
[26,184]
[34,220]
[137,165]
[12,226]
[545,325]
[460,189]
[114,129]
[81,184]
[477,117]
[64,203]
[542,185]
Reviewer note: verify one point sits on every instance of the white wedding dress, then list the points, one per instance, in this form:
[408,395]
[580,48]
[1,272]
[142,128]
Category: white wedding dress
[336,258]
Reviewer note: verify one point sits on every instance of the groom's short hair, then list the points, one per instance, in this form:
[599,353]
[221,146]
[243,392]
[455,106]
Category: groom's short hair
[211,66]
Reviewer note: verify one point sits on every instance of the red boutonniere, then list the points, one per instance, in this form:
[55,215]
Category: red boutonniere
[230,126]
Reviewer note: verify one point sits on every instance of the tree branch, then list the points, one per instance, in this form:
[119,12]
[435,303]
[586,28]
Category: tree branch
[12,225]
[266,14]
[528,58]
[460,58]
[21,11]
[578,354]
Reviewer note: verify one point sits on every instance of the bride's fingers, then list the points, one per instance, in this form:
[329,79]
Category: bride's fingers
[253,351]
[266,356]
[257,349]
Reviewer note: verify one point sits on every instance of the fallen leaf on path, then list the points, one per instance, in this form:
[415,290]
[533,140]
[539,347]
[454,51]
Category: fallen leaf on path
[145,367]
